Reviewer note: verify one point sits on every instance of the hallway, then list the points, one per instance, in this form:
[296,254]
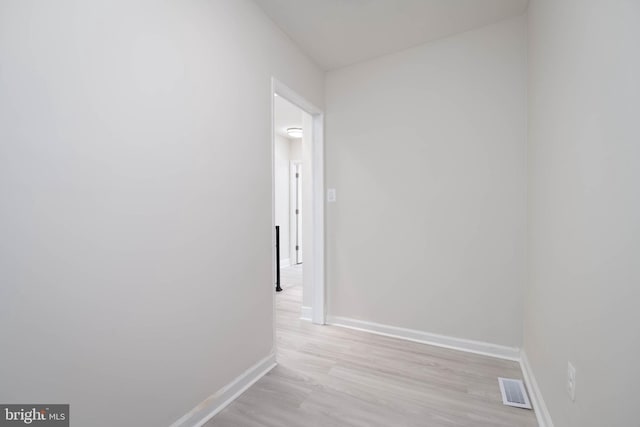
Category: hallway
[332,376]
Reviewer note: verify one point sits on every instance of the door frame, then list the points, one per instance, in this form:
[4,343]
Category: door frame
[318,312]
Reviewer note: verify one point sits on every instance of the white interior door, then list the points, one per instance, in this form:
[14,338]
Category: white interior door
[296,212]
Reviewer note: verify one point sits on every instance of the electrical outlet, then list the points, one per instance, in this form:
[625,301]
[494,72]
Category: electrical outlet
[571,381]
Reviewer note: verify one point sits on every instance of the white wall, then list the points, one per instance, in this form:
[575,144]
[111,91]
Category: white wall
[135,182]
[282,158]
[426,149]
[584,206]
[296,149]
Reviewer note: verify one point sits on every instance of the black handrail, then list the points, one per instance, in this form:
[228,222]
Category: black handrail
[278,288]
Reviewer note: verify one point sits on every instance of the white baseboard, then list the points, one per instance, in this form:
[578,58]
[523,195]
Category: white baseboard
[306,313]
[470,346]
[539,407]
[285,263]
[215,403]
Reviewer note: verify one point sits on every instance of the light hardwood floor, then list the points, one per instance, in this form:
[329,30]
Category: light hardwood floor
[331,376]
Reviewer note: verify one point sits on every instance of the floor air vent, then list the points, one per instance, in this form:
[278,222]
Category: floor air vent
[514,393]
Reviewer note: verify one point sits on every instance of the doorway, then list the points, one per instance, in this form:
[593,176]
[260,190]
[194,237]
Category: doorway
[302,144]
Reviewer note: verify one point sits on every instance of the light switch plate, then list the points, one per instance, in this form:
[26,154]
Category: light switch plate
[331,195]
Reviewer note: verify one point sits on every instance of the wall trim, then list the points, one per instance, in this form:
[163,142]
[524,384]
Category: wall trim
[306,313]
[215,403]
[470,346]
[539,407]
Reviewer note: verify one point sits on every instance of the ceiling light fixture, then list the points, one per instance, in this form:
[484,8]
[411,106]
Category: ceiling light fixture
[294,132]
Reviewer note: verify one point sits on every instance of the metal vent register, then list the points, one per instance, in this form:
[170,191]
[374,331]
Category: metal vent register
[514,393]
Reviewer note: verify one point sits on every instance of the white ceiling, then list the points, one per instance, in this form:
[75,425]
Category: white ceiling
[286,115]
[336,33]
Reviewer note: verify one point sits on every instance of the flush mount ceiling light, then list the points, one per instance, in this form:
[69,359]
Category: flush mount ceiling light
[294,132]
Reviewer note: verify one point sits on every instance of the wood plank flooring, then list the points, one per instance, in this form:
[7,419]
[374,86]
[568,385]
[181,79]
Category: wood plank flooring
[331,376]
